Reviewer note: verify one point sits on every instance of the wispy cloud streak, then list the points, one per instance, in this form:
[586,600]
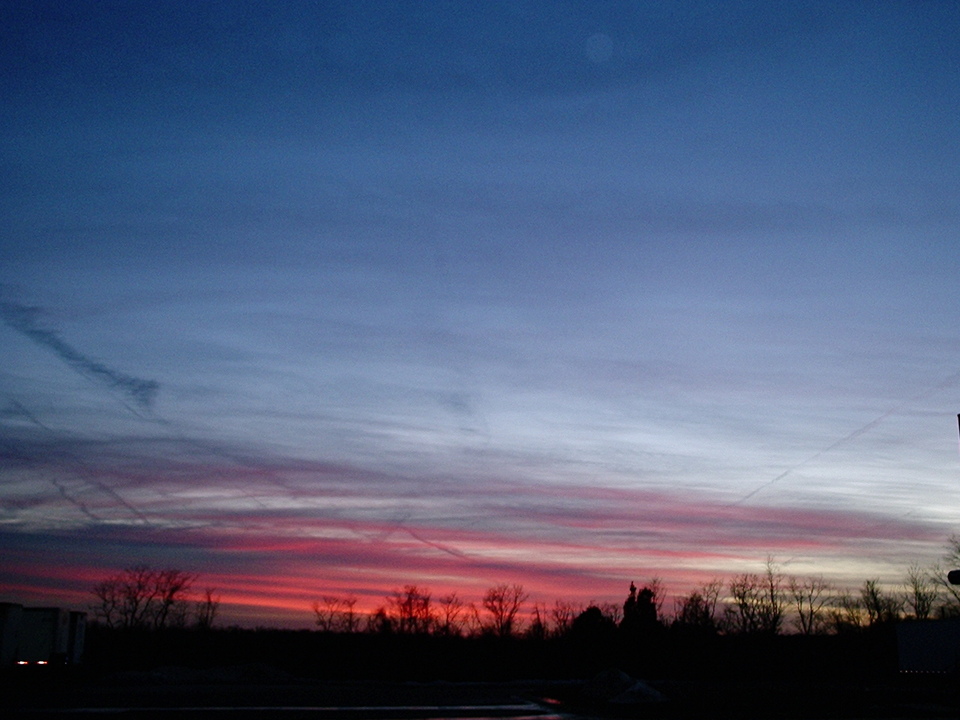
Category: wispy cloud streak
[23,319]
[57,457]
[947,382]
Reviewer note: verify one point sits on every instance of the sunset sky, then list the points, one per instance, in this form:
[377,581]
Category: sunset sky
[328,298]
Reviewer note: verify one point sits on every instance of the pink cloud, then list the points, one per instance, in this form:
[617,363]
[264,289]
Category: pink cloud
[277,534]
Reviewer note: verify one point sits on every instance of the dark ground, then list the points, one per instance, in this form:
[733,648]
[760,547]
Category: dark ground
[294,674]
[255,692]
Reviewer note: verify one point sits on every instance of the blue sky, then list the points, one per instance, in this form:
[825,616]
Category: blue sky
[569,293]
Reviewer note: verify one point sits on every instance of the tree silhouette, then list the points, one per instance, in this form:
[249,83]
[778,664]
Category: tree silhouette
[846,613]
[880,606]
[698,610]
[537,628]
[503,603]
[450,616]
[141,597]
[641,609]
[758,605]
[410,608]
[379,622]
[593,625]
[562,614]
[810,598]
[206,609]
[336,614]
[922,592]
[950,592]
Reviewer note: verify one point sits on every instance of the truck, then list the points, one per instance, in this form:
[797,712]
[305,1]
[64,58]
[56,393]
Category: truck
[40,635]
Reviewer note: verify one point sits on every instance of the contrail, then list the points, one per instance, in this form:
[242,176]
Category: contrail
[81,506]
[18,409]
[81,469]
[23,319]
[852,436]
[443,548]
[87,475]
[401,525]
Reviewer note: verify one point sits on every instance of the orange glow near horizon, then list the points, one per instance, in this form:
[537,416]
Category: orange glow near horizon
[294,572]
[576,544]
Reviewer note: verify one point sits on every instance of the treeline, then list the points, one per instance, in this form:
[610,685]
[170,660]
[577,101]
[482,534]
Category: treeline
[412,640]
[144,598]
[592,642]
[768,602]
[412,610]
[764,624]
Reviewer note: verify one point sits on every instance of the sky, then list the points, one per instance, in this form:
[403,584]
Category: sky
[329,298]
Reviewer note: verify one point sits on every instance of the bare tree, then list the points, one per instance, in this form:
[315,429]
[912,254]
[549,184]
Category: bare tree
[379,621]
[846,613]
[124,598]
[880,606]
[451,615]
[171,590]
[950,593]
[772,608]
[922,592]
[350,621]
[336,614]
[810,598]
[503,603]
[952,553]
[612,611]
[109,607]
[206,609]
[411,610]
[141,597]
[537,629]
[757,601]
[563,613]
[325,610]
[699,608]
[743,614]
[475,623]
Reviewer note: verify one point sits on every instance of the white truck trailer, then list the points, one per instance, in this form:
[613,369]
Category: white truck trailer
[40,636]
